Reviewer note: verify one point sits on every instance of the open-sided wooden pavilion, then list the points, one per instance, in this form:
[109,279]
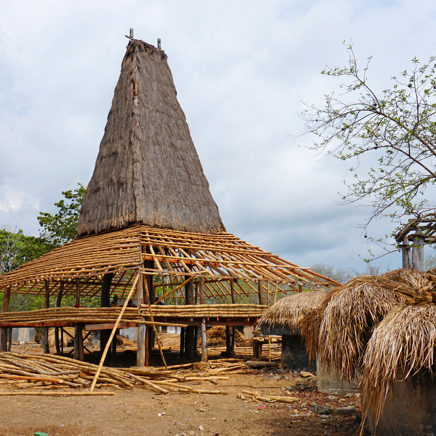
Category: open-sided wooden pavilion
[150,227]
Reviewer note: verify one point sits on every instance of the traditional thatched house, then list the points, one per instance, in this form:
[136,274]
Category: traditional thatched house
[284,318]
[149,229]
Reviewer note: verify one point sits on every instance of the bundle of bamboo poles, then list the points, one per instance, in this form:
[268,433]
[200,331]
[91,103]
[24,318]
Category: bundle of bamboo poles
[71,314]
[41,371]
[206,310]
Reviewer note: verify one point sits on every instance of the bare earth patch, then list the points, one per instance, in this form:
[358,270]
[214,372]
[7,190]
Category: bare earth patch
[143,412]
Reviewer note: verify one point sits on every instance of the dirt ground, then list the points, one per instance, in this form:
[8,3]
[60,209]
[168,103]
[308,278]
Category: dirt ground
[144,412]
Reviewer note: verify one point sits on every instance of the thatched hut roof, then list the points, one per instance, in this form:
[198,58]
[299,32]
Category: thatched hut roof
[403,344]
[147,170]
[289,311]
[346,318]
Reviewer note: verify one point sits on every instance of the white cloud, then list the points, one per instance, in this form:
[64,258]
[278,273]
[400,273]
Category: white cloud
[16,201]
[241,70]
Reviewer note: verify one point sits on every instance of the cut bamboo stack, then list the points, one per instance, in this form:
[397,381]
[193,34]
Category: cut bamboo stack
[41,372]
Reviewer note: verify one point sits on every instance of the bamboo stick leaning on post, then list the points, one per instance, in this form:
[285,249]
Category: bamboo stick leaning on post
[109,342]
[154,326]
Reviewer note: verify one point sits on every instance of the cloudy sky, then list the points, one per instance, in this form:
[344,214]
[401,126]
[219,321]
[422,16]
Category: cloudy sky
[241,69]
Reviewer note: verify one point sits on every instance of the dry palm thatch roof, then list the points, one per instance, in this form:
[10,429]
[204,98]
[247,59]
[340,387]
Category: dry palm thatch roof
[147,170]
[226,263]
[403,344]
[289,311]
[346,318]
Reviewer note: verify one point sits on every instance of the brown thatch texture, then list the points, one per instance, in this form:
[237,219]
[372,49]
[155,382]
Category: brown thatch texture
[403,343]
[311,323]
[147,169]
[289,311]
[352,312]
[414,279]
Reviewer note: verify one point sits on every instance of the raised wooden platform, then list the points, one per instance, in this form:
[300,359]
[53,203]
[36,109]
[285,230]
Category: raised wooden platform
[215,314]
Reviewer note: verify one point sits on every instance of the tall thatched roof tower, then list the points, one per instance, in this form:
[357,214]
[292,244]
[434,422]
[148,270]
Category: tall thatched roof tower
[147,170]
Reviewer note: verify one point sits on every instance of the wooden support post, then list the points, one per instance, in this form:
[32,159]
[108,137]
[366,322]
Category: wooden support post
[190,335]
[232,290]
[3,330]
[78,342]
[201,290]
[203,339]
[147,345]
[195,338]
[9,338]
[141,329]
[114,343]
[275,293]
[228,348]
[45,329]
[418,254]
[405,253]
[182,341]
[58,304]
[232,344]
[105,302]
[150,294]
[260,291]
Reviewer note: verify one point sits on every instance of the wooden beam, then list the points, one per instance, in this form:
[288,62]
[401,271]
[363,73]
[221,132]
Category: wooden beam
[3,330]
[58,304]
[78,342]
[45,329]
[203,340]
[260,291]
[105,301]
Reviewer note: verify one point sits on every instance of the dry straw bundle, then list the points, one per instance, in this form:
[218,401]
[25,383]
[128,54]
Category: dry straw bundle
[401,345]
[289,311]
[349,316]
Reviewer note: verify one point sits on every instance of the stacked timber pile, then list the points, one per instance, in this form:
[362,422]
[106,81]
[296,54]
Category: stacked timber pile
[205,311]
[89,315]
[42,372]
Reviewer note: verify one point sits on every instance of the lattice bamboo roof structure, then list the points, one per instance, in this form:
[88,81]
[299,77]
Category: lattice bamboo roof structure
[220,258]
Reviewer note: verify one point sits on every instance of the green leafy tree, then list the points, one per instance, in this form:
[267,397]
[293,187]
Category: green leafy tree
[62,227]
[17,248]
[396,126]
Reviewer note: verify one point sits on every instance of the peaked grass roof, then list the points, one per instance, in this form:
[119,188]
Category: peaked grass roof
[290,311]
[147,170]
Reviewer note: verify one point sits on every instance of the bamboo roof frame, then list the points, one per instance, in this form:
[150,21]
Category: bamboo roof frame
[174,255]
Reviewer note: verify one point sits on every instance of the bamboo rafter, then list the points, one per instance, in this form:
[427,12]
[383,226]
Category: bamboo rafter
[217,257]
